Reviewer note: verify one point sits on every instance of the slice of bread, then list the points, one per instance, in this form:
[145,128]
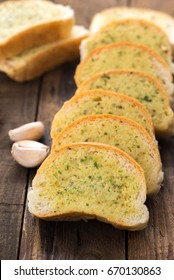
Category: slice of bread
[88,181]
[124,56]
[142,87]
[26,24]
[93,102]
[132,31]
[123,133]
[36,61]
[163,20]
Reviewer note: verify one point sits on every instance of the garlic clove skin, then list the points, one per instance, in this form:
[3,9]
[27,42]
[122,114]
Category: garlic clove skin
[29,131]
[29,153]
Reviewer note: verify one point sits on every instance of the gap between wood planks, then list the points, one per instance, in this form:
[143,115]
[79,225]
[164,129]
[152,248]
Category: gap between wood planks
[131,241]
[41,81]
[29,171]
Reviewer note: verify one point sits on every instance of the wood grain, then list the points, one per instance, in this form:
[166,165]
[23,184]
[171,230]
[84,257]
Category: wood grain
[65,240]
[85,10]
[157,240]
[25,237]
[78,240]
[18,106]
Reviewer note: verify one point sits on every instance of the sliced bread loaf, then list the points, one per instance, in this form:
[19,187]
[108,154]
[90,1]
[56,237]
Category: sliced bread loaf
[123,133]
[133,31]
[124,56]
[100,102]
[142,87]
[36,61]
[88,181]
[25,24]
[163,20]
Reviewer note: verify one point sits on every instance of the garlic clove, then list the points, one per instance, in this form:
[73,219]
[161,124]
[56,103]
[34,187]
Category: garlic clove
[29,131]
[29,153]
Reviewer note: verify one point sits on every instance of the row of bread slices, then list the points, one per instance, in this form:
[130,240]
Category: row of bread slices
[105,158]
[36,36]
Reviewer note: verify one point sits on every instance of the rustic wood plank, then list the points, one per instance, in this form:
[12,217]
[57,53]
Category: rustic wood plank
[38,237]
[57,87]
[165,6]
[84,10]
[18,105]
[78,240]
[92,240]
[100,241]
[157,240]
[66,240]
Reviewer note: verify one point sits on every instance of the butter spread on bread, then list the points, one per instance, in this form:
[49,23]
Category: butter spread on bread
[93,102]
[142,87]
[163,20]
[133,31]
[124,56]
[123,133]
[87,181]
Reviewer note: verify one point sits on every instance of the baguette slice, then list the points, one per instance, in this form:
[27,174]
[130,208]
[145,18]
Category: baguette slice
[88,181]
[36,61]
[163,20]
[93,102]
[142,87]
[124,56]
[123,133]
[26,24]
[132,31]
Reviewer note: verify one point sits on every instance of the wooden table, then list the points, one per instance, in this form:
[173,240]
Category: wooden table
[24,237]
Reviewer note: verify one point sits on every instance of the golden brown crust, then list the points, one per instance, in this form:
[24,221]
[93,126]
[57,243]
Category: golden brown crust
[53,156]
[110,46]
[36,34]
[103,147]
[122,96]
[74,215]
[141,74]
[55,54]
[123,120]
[141,21]
[112,117]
